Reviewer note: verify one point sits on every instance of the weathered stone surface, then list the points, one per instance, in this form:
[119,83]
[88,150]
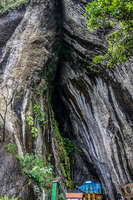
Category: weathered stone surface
[99,104]
[12,182]
[26,48]
[97,101]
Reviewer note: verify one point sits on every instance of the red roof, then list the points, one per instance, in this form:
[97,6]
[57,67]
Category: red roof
[74,195]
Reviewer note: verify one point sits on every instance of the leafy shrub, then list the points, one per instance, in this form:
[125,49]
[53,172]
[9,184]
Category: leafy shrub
[39,114]
[33,167]
[105,13]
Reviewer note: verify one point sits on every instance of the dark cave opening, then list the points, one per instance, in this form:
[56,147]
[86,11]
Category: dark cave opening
[81,169]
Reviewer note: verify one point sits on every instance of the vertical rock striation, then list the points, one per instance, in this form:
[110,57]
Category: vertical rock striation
[95,108]
[27,40]
[99,103]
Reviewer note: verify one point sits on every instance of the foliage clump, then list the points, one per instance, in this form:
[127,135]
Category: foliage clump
[39,114]
[11,148]
[62,155]
[117,14]
[34,130]
[33,167]
[6,5]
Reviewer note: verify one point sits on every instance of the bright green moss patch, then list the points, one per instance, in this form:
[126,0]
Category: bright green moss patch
[6,5]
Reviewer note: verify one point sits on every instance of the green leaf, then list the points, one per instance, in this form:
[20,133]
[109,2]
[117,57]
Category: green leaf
[105,13]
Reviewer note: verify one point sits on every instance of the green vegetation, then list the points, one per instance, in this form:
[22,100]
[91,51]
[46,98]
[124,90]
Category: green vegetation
[6,198]
[11,148]
[69,146]
[30,120]
[43,86]
[34,168]
[34,130]
[62,155]
[117,14]
[39,114]
[6,5]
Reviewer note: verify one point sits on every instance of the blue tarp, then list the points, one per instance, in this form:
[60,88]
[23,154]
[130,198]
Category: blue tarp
[90,187]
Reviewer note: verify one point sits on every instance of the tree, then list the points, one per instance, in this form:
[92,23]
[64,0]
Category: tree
[117,14]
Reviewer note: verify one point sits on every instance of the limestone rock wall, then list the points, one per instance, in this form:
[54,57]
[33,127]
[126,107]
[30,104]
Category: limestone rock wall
[99,103]
[93,105]
[27,39]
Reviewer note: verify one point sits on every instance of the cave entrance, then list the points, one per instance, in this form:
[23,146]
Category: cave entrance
[81,168]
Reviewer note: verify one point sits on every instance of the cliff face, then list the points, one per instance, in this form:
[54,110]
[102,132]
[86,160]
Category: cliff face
[27,40]
[99,105]
[93,105]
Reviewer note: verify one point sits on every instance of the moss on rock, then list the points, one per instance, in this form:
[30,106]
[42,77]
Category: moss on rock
[63,158]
